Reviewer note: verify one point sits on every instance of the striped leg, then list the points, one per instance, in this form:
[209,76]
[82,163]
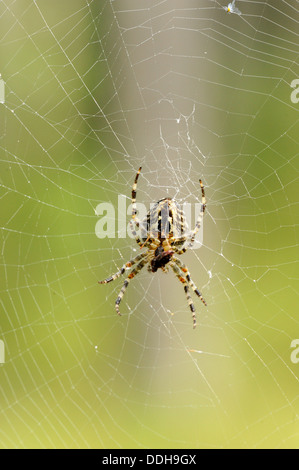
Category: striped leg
[198,222]
[126,283]
[137,238]
[191,305]
[134,188]
[178,272]
[134,210]
[122,270]
[184,268]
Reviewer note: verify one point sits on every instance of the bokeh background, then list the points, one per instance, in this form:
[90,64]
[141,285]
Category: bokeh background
[93,90]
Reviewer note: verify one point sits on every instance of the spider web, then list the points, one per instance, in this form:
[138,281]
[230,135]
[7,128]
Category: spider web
[93,90]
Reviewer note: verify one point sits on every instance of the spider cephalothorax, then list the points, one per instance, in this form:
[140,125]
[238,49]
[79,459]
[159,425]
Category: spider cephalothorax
[163,232]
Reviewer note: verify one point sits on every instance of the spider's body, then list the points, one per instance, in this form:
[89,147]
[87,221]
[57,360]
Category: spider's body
[163,228]
[165,220]
[163,232]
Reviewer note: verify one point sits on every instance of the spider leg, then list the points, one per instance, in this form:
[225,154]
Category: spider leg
[190,303]
[134,188]
[126,283]
[178,272]
[134,211]
[184,268]
[198,222]
[124,267]
[135,234]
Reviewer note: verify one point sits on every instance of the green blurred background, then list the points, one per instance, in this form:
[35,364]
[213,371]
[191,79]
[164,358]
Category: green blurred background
[92,91]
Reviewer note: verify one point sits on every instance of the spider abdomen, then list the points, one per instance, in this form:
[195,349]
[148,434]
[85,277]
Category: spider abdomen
[164,221]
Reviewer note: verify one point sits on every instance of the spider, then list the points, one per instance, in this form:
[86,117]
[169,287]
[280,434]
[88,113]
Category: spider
[164,233]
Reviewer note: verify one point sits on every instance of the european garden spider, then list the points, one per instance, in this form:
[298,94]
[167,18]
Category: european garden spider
[165,235]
